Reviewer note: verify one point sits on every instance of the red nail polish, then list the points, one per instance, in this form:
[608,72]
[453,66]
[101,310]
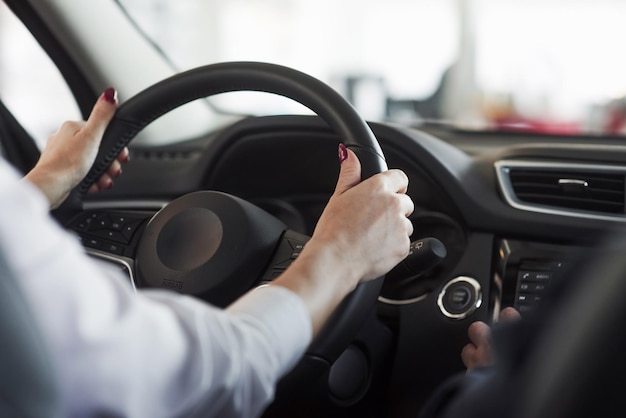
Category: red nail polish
[343,153]
[110,95]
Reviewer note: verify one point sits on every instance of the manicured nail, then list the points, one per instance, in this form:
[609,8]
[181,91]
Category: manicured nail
[109,185]
[110,95]
[118,173]
[343,153]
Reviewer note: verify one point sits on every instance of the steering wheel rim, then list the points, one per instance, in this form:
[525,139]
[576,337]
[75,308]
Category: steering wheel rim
[137,112]
[160,98]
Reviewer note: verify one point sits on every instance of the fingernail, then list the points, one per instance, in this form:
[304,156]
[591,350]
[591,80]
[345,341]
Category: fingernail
[110,95]
[109,185]
[119,173]
[343,153]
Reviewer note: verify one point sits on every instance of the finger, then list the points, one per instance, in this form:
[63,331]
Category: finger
[115,169]
[407,204]
[509,314]
[468,353]
[104,182]
[409,228]
[350,171]
[124,156]
[101,115]
[479,333]
[400,181]
[93,188]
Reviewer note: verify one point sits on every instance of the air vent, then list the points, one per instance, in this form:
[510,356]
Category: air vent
[571,189]
[596,192]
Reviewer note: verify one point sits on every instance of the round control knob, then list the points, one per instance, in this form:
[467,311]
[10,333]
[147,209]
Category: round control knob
[460,297]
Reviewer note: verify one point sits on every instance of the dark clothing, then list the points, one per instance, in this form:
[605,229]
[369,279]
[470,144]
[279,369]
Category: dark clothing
[565,359]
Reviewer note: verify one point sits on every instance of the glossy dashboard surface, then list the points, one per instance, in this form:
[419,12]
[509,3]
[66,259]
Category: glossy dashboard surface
[504,248]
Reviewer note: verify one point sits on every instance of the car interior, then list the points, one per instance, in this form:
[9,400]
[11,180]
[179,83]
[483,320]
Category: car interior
[504,208]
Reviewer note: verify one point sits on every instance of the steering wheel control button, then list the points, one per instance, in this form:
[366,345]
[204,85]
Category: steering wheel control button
[288,250]
[91,243]
[297,247]
[111,235]
[113,249]
[460,297]
[108,232]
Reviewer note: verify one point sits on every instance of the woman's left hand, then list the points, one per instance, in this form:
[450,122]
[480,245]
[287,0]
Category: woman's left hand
[71,151]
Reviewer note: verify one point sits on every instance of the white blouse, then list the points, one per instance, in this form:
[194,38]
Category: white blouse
[151,353]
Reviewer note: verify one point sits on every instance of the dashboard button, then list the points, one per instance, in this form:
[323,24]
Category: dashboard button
[534,275]
[460,297]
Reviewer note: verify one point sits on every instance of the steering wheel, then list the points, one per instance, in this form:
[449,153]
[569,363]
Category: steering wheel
[216,246]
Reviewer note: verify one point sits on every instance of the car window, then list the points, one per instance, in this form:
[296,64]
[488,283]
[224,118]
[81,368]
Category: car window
[550,66]
[30,84]
[344,43]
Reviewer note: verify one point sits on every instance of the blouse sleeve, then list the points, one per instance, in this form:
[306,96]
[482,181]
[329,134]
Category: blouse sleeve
[151,353]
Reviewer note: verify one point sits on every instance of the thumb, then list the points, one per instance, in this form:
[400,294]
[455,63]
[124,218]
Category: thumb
[350,171]
[101,115]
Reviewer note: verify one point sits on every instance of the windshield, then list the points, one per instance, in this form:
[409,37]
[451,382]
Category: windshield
[551,66]
[547,66]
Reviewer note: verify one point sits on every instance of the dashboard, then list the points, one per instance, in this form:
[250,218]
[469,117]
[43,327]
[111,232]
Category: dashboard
[511,211]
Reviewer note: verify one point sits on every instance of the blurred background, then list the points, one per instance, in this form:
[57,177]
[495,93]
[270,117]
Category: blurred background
[547,66]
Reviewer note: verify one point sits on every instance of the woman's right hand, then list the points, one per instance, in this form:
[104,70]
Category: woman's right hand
[362,234]
[365,223]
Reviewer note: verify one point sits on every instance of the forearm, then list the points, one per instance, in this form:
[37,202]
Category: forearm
[321,278]
[131,354]
[160,354]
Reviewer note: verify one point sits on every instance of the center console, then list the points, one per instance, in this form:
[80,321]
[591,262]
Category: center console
[526,270]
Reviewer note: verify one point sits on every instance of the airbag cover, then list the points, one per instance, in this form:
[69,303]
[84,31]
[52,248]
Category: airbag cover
[207,244]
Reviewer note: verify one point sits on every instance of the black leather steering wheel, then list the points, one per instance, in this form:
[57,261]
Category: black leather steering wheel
[216,246]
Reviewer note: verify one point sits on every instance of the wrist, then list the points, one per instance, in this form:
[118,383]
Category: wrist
[325,262]
[321,279]
[49,184]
